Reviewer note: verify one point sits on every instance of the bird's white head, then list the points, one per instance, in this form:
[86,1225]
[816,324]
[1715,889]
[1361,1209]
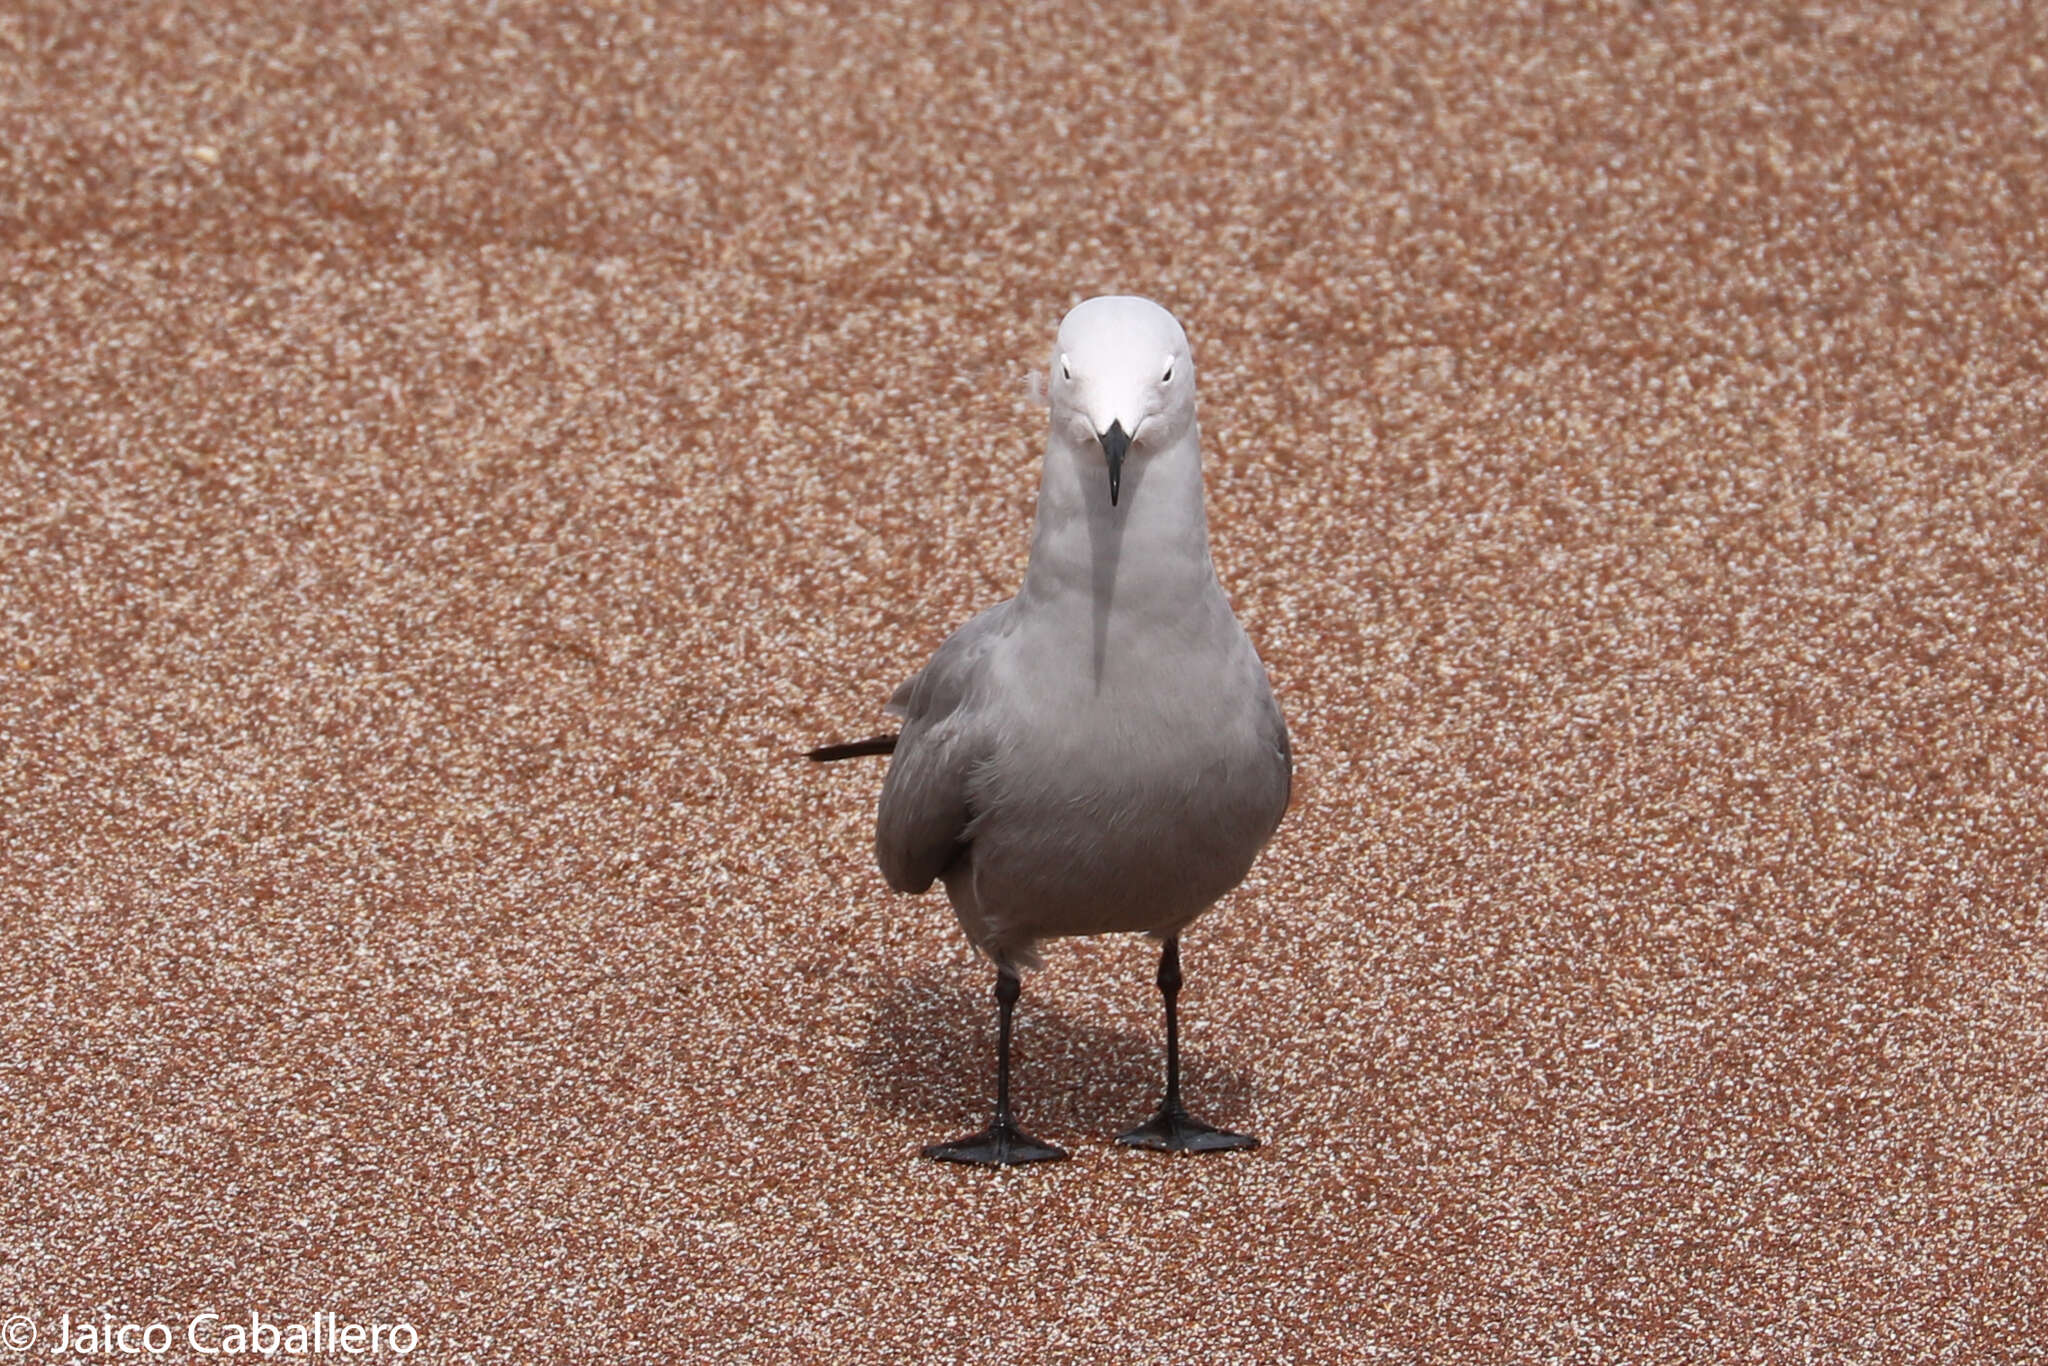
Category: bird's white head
[1121,379]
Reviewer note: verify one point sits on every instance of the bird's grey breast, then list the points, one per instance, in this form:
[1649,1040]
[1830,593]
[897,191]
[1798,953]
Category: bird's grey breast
[1132,802]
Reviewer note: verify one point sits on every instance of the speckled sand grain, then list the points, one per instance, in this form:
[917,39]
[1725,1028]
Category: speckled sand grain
[454,456]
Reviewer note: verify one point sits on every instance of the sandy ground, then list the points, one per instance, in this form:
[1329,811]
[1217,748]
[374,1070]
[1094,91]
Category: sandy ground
[454,457]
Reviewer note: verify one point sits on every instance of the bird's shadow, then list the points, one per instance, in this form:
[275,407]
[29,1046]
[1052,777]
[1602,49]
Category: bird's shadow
[929,1057]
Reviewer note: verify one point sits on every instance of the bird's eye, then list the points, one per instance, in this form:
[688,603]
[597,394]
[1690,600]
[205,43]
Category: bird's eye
[1066,370]
[1166,375]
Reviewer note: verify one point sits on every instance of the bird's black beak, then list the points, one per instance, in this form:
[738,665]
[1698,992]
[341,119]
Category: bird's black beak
[1115,442]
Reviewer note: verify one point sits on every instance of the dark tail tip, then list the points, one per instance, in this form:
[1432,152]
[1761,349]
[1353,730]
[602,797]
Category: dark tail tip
[854,749]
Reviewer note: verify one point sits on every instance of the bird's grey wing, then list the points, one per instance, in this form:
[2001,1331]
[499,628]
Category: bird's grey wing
[1273,728]
[1281,742]
[925,809]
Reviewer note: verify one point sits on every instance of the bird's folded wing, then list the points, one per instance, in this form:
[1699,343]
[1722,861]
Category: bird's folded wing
[1276,730]
[925,811]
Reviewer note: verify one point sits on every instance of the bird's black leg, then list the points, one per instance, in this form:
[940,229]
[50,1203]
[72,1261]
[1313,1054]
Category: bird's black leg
[1173,1129]
[1002,1143]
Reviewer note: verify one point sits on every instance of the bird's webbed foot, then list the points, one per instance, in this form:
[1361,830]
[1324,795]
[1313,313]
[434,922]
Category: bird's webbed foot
[1174,1130]
[1001,1144]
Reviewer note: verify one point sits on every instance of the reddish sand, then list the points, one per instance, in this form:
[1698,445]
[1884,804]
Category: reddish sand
[455,456]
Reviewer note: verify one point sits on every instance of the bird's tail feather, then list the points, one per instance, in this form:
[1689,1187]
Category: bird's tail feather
[854,749]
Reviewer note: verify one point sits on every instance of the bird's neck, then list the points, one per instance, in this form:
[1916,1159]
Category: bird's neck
[1150,551]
